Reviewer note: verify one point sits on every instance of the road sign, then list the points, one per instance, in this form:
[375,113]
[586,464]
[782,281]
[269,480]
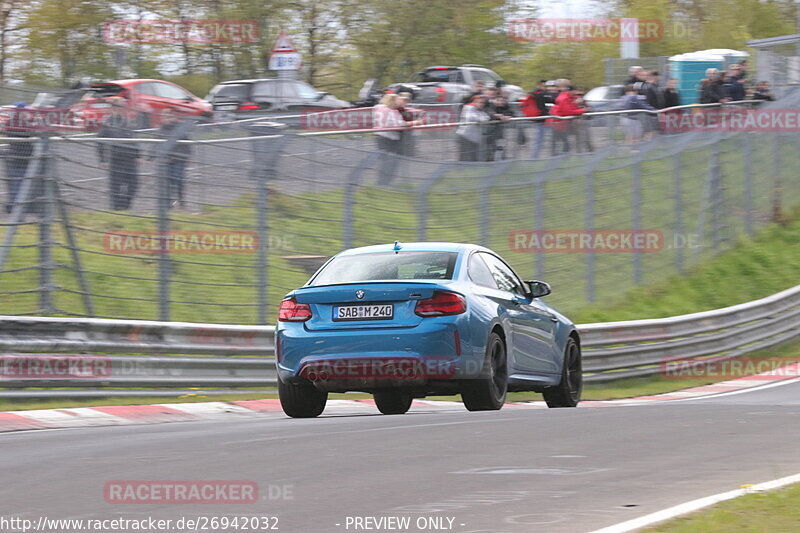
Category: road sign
[283,44]
[284,55]
[285,61]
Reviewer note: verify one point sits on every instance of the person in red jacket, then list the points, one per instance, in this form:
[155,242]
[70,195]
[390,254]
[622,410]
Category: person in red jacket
[535,105]
[565,106]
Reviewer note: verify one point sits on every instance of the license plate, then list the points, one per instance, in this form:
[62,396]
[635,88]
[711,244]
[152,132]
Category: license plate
[101,106]
[363,312]
[226,107]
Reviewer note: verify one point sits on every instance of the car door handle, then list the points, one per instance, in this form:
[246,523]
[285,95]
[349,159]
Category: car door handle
[553,319]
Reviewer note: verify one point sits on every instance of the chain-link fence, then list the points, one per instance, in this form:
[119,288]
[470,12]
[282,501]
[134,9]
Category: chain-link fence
[215,223]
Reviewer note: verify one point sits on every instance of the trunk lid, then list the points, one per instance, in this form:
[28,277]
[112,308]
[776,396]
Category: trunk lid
[402,296]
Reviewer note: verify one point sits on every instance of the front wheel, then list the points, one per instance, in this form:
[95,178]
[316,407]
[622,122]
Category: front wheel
[488,393]
[393,402]
[302,400]
[568,392]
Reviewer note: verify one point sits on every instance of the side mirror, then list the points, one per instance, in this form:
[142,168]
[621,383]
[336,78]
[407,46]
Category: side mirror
[322,95]
[539,288]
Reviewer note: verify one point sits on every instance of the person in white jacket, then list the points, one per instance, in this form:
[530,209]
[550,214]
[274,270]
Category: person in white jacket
[387,119]
[471,141]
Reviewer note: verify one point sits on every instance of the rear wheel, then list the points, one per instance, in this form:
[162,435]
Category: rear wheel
[568,392]
[489,392]
[302,400]
[393,402]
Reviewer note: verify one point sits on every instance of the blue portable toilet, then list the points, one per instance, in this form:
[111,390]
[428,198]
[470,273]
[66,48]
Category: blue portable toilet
[690,69]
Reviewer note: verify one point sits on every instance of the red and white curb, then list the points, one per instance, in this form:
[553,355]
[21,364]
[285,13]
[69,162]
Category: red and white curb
[120,415]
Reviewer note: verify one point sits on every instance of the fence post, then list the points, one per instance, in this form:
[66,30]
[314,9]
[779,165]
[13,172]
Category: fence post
[353,182]
[496,168]
[679,229]
[716,195]
[265,161]
[589,222]
[45,206]
[538,219]
[636,208]
[748,183]
[777,209]
[164,259]
[23,198]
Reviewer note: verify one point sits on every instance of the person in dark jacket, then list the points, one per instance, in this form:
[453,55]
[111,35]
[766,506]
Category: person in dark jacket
[17,158]
[711,89]
[177,158]
[121,158]
[671,96]
[734,84]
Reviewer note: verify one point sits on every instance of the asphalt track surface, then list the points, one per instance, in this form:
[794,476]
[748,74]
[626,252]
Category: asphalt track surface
[550,470]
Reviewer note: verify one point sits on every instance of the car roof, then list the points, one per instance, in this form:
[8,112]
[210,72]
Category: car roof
[254,80]
[125,83]
[416,247]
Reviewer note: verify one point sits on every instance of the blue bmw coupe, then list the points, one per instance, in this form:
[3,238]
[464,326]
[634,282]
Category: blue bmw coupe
[409,320]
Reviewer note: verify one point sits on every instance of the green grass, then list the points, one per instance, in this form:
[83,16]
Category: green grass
[768,512]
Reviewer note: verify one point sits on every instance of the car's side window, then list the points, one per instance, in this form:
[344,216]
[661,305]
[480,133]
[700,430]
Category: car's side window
[504,277]
[165,90]
[146,88]
[265,89]
[479,273]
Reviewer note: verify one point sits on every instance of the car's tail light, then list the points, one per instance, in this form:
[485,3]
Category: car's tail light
[248,106]
[440,304]
[389,91]
[441,94]
[291,311]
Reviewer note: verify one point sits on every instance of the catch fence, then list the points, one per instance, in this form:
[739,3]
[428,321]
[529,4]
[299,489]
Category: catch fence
[263,206]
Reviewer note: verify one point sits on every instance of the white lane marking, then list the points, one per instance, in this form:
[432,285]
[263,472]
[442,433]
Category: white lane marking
[768,385]
[74,417]
[694,505]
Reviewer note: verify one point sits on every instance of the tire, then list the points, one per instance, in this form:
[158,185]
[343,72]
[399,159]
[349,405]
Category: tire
[568,392]
[393,402]
[303,400]
[488,393]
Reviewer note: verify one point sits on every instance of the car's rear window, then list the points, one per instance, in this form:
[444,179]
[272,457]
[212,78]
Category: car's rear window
[232,90]
[435,75]
[104,91]
[387,266]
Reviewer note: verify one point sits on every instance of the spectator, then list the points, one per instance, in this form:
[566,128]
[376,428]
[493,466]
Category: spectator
[502,112]
[565,106]
[471,137]
[762,92]
[671,96]
[641,80]
[535,105]
[18,156]
[654,96]
[478,87]
[385,115]
[633,75]
[632,122]
[734,84]
[743,69]
[711,91]
[495,106]
[121,158]
[177,158]
[580,127]
[411,116]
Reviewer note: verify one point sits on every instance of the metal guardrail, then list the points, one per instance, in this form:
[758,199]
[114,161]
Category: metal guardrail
[232,357]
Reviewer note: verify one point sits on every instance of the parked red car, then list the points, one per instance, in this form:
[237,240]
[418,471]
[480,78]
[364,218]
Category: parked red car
[149,98]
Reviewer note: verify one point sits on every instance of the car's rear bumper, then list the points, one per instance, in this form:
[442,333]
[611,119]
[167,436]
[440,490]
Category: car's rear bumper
[434,350]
